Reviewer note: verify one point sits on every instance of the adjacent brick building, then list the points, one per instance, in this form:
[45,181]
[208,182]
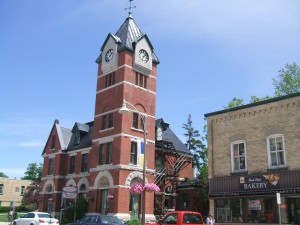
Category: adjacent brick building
[103,158]
[253,153]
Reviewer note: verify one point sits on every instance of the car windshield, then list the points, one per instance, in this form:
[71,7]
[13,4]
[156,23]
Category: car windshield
[110,219]
[84,219]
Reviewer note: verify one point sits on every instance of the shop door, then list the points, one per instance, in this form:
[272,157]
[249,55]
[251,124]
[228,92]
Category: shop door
[135,206]
[104,202]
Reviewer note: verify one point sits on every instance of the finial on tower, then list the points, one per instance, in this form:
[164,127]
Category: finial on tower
[130,8]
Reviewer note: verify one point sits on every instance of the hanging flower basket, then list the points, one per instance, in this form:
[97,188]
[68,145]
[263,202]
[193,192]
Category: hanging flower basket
[136,189]
[151,187]
[110,197]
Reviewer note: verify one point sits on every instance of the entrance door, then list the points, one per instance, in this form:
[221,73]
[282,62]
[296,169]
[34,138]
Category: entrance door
[135,199]
[104,202]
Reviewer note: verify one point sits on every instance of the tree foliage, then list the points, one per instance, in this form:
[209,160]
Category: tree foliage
[200,159]
[288,80]
[257,99]
[32,195]
[235,102]
[3,175]
[194,142]
[33,172]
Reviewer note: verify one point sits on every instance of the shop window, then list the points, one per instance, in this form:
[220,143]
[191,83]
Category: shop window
[276,151]
[238,156]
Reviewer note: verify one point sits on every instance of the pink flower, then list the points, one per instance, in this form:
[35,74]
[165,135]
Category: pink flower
[151,187]
[137,188]
[110,196]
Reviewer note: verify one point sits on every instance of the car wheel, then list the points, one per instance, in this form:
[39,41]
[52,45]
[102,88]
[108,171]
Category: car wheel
[14,223]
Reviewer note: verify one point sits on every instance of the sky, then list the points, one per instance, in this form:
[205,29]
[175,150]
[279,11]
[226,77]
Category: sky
[209,50]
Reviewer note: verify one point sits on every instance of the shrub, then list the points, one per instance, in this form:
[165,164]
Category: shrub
[132,222]
[80,208]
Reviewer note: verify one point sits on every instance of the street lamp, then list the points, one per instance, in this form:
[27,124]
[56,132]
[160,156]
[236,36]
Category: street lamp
[125,110]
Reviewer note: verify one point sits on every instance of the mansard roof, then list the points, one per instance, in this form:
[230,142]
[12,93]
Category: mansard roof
[86,134]
[169,136]
[67,136]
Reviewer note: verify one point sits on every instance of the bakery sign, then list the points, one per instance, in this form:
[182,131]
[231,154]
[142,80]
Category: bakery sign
[259,182]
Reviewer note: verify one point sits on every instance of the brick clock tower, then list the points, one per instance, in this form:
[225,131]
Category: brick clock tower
[127,68]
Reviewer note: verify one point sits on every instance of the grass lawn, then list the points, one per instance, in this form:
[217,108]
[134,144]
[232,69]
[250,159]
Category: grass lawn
[4,217]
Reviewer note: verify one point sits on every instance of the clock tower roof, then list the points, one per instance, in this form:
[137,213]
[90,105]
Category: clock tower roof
[126,37]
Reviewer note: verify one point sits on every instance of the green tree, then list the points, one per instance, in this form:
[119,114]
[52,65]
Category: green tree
[3,175]
[32,196]
[33,172]
[235,102]
[257,99]
[288,80]
[194,142]
[200,159]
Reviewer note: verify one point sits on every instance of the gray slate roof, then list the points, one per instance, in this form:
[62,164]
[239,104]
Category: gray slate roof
[86,131]
[169,136]
[126,36]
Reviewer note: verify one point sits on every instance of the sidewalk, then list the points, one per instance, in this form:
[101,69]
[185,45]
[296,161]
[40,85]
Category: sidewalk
[4,223]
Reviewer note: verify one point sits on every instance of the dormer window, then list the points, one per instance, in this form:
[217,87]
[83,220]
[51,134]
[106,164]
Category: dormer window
[80,130]
[77,137]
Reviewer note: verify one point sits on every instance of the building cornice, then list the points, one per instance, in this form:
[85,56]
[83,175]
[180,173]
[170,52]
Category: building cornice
[254,110]
[271,100]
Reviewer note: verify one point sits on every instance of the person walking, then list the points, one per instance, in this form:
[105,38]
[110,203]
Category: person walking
[210,220]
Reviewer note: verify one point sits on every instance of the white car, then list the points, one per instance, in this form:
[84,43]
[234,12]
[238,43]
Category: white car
[36,218]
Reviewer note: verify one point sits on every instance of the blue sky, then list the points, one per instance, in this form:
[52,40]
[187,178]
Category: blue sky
[210,51]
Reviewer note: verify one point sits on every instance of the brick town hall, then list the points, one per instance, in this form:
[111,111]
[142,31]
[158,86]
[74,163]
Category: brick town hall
[104,158]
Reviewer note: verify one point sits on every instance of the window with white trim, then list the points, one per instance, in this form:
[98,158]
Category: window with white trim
[238,156]
[51,167]
[133,153]
[276,151]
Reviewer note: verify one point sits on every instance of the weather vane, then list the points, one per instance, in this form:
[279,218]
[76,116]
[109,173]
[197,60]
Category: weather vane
[130,8]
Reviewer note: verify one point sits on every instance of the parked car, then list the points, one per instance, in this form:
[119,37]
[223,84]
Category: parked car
[181,217]
[36,218]
[98,219]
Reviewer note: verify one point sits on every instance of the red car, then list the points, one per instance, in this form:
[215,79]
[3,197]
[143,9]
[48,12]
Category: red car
[181,217]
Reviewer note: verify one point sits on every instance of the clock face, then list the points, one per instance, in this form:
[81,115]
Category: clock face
[143,55]
[109,55]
